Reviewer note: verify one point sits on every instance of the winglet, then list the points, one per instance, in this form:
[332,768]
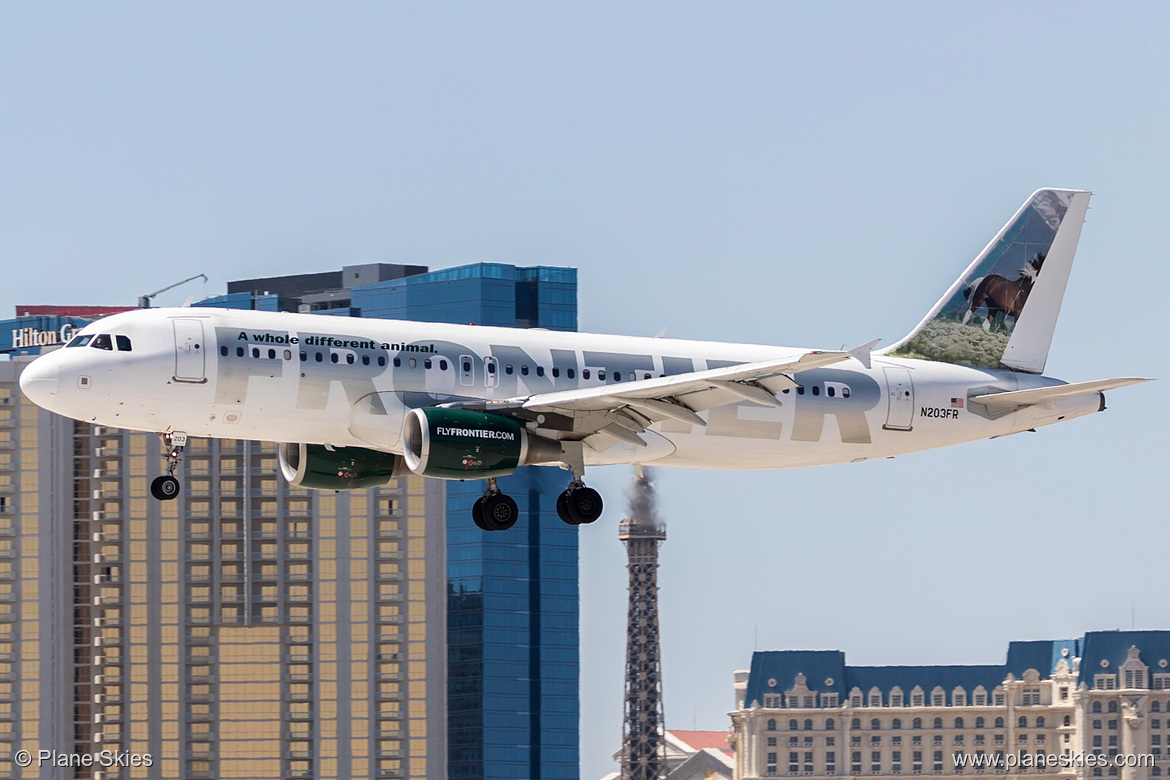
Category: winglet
[862,352]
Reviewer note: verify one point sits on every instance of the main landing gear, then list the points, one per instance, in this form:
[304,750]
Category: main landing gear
[166,487]
[495,511]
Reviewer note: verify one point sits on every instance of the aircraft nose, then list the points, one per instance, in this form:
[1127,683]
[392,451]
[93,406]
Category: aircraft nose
[39,380]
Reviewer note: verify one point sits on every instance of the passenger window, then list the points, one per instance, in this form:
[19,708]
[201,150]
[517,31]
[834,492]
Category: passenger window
[816,389]
[800,390]
[272,354]
[442,365]
[844,392]
[304,356]
[288,354]
[572,373]
[413,363]
[540,370]
[467,366]
[350,358]
[381,360]
[617,376]
[585,373]
[239,351]
[491,368]
[80,341]
[508,369]
[524,370]
[102,341]
[255,352]
[398,362]
[319,357]
[223,351]
[332,357]
[556,371]
[829,391]
[601,375]
[365,360]
[123,343]
[645,376]
[427,363]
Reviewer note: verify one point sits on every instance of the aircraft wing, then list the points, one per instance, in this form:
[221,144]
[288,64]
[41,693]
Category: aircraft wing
[623,410]
[1040,395]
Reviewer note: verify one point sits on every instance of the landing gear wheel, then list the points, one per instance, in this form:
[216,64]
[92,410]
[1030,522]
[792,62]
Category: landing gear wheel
[477,513]
[583,505]
[563,508]
[499,512]
[165,488]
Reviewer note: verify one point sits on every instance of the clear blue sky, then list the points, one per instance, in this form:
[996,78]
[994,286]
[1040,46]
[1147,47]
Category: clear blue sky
[808,175]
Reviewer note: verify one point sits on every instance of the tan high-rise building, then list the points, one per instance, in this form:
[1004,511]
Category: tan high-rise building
[248,629]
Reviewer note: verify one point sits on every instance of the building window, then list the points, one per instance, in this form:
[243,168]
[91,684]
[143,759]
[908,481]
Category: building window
[938,723]
[1135,678]
[772,701]
[808,724]
[1022,722]
[917,698]
[979,722]
[896,699]
[916,723]
[771,764]
[875,724]
[1040,722]
[855,700]
[856,724]
[938,699]
[771,724]
[1105,682]
[999,698]
[999,723]
[793,725]
[830,724]
[896,724]
[828,700]
[1064,693]
[980,696]
[793,763]
[1162,682]
[1096,708]
[1031,696]
[875,698]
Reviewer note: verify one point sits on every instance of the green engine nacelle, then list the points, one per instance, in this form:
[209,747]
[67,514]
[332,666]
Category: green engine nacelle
[341,468]
[462,444]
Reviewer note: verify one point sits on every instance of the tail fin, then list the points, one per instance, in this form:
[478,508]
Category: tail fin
[1001,312]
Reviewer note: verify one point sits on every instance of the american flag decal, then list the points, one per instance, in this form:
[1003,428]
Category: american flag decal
[956,403]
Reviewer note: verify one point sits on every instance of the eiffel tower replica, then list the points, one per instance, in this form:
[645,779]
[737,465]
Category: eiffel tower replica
[643,741]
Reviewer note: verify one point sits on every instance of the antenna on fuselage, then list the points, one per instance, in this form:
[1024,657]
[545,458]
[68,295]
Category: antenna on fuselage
[144,300]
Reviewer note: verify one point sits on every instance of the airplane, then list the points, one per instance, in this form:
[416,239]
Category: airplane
[357,402]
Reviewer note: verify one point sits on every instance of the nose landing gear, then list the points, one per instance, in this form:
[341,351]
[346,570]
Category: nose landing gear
[166,487]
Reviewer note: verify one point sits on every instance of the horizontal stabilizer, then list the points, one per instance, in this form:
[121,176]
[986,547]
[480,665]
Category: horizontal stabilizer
[1040,395]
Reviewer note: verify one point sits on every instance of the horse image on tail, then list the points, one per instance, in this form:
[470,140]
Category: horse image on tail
[1004,298]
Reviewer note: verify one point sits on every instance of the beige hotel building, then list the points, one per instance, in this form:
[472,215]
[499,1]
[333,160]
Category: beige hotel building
[1105,696]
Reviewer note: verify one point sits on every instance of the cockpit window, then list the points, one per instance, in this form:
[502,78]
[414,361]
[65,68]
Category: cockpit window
[80,341]
[102,341]
[123,343]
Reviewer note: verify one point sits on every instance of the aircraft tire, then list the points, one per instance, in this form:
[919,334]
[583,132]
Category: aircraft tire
[584,505]
[477,513]
[563,508]
[165,488]
[500,512]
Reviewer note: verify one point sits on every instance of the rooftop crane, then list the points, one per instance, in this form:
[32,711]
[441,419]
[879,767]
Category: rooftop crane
[144,300]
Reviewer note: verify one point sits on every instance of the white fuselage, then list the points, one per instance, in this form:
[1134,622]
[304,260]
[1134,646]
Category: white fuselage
[310,378]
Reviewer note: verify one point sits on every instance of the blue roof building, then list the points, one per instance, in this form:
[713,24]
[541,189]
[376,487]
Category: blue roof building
[1097,706]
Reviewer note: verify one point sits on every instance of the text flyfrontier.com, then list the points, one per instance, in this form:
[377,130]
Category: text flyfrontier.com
[105,759]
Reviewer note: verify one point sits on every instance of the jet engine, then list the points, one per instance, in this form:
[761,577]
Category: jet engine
[341,468]
[462,444]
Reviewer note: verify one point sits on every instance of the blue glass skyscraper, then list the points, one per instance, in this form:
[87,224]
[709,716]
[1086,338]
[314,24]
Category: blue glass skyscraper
[512,609]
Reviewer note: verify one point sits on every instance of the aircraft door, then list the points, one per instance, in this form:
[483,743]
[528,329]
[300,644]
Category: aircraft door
[900,391]
[466,370]
[189,350]
[491,376]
